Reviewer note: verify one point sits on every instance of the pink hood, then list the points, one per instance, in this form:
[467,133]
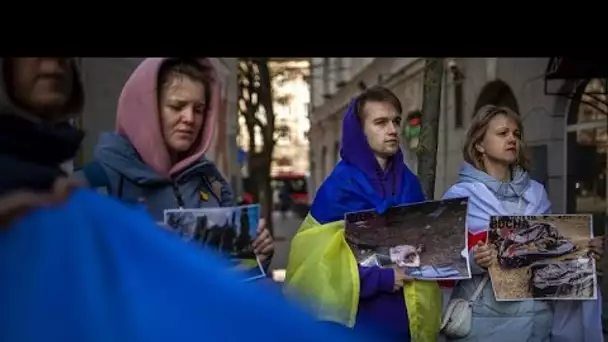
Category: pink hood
[138,118]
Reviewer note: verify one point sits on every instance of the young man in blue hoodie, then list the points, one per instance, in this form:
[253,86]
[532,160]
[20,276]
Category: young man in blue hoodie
[371,175]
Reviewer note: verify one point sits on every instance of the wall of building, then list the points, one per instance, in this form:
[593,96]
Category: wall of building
[103,79]
[544,118]
[328,72]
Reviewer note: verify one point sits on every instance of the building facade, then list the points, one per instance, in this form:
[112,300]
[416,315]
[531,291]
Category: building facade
[103,79]
[291,95]
[567,138]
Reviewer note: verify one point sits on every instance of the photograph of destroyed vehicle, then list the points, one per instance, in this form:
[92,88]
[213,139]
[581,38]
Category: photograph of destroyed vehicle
[542,257]
[532,243]
[425,239]
[565,279]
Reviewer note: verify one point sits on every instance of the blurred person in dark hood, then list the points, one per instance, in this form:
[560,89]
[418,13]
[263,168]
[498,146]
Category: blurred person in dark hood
[38,96]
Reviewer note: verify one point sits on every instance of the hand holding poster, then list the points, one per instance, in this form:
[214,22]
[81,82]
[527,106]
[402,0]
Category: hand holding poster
[542,257]
[425,239]
[227,230]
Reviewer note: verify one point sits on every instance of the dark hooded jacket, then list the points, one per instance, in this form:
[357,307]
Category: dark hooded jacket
[31,149]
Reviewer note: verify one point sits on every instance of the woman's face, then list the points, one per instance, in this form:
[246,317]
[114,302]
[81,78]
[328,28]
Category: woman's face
[182,112]
[502,140]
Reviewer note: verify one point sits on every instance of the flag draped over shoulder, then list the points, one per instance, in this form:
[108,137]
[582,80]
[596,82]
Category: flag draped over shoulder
[93,269]
[322,269]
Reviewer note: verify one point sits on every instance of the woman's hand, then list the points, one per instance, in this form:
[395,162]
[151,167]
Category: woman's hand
[263,245]
[15,204]
[596,247]
[483,254]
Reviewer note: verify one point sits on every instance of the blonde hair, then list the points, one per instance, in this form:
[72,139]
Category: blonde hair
[478,129]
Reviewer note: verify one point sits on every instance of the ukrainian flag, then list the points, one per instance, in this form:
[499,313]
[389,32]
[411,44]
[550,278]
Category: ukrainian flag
[322,269]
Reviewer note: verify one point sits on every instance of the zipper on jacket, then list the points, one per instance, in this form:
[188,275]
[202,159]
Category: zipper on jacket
[178,196]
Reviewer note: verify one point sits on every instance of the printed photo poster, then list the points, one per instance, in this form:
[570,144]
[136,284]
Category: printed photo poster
[229,231]
[426,240]
[542,257]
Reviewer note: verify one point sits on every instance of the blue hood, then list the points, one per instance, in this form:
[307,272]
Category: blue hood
[503,190]
[356,151]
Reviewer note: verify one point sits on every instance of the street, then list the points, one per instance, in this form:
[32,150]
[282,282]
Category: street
[285,229]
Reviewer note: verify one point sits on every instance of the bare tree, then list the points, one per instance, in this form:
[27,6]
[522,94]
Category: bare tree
[256,106]
[256,78]
[431,109]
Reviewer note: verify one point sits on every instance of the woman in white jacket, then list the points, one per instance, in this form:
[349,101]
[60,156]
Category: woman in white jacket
[495,179]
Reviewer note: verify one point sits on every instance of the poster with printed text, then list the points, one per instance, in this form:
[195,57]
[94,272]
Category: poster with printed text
[542,257]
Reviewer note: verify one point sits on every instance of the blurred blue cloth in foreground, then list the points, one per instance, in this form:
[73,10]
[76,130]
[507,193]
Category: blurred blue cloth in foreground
[96,270]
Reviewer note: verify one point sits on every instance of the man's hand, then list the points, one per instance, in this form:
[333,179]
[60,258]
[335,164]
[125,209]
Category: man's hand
[400,278]
[596,247]
[15,204]
[483,255]
[263,245]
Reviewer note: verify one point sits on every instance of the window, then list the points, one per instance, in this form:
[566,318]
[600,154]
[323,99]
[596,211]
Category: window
[587,144]
[458,102]
[323,161]
[336,152]
[326,66]
[283,131]
[496,93]
[539,167]
[338,71]
[283,135]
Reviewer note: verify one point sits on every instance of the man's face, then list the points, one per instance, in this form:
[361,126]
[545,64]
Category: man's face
[43,85]
[381,126]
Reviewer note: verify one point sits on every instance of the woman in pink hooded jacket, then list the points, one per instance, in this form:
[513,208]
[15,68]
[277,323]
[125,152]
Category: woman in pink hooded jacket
[166,117]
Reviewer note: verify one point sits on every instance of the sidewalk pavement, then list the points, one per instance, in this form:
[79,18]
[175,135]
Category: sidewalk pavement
[285,229]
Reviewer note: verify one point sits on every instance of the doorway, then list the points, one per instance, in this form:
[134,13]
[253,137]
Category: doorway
[587,145]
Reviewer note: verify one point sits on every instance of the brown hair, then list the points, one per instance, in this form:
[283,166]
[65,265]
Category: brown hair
[180,67]
[478,129]
[377,94]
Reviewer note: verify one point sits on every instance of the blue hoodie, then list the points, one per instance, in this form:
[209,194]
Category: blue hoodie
[378,304]
[93,270]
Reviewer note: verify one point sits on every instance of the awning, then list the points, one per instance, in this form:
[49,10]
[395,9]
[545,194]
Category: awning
[572,68]
[578,72]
